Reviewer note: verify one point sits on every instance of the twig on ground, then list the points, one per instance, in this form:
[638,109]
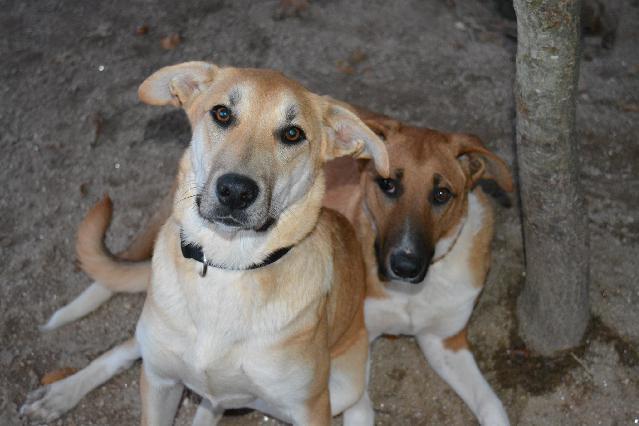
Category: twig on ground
[583,364]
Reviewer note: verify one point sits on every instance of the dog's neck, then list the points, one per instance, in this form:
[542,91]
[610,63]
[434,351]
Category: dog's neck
[244,248]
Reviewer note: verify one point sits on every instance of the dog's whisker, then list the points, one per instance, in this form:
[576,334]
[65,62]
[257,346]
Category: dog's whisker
[192,189]
[187,197]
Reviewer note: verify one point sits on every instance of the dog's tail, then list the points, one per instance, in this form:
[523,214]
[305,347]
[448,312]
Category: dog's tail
[97,261]
[111,274]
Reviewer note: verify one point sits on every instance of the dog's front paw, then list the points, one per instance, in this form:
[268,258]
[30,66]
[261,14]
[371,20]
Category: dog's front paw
[493,414]
[360,414]
[47,403]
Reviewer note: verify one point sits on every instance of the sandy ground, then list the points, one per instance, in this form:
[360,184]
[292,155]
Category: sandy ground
[71,128]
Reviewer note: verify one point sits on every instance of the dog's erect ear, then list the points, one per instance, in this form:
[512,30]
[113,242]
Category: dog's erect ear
[471,146]
[346,134]
[176,84]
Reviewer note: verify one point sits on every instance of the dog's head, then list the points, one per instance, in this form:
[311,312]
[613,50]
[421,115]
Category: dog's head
[418,210]
[259,140]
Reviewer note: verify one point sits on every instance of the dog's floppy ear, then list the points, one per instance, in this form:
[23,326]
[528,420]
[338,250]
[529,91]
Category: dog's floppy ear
[346,134]
[176,84]
[471,146]
[381,125]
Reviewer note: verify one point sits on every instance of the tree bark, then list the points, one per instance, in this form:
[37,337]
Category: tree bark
[553,308]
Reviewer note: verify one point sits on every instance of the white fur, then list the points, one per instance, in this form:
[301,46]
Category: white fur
[51,401]
[201,153]
[89,300]
[460,371]
[216,336]
[238,249]
[438,308]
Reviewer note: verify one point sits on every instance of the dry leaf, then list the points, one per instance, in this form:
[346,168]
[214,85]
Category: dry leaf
[57,375]
[346,69]
[290,8]
[98,126]
[629,106]
[357,57]
[142,30]
[519,353]
[171,41]
[84,189]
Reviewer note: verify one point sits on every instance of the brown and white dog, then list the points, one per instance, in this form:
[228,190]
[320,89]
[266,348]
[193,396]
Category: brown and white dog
[428,224]
[431,225]
[257,292]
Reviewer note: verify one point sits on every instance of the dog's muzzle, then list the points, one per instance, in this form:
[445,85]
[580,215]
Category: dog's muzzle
[408,266]
[235,201]
[408,263]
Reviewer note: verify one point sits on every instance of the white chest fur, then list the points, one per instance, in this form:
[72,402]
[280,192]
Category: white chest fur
[443,302]
[218,334]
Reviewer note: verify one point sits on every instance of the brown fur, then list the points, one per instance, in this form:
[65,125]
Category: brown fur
[97,261]
[457,342]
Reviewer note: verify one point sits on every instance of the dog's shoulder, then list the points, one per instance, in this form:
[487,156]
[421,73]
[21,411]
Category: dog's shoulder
[339,229]
[346,299]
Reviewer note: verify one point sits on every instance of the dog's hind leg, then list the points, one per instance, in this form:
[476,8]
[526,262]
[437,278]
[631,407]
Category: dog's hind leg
[89,300]
[456,365]
[50,402]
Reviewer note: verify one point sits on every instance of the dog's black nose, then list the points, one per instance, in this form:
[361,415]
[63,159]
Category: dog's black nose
[235,191]
[407,266]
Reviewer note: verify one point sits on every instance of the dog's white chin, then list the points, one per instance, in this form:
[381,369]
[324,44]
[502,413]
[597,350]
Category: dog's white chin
[226,230]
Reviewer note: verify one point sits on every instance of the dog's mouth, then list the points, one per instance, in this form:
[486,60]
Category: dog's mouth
[232,223]
[229,221]
[226,219]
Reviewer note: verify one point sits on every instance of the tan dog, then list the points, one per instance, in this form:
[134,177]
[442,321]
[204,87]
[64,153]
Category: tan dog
[256,296]
[433,193]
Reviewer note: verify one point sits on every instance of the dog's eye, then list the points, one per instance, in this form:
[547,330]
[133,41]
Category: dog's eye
[388,186]
[222,115]
[292,135]
[441,196]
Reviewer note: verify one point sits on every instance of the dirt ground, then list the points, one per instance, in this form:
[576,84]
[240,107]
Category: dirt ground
[71,128]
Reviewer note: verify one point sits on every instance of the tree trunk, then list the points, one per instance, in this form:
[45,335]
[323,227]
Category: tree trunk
[553,308]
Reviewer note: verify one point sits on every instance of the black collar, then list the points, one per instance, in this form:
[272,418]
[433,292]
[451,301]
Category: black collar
[194,251]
